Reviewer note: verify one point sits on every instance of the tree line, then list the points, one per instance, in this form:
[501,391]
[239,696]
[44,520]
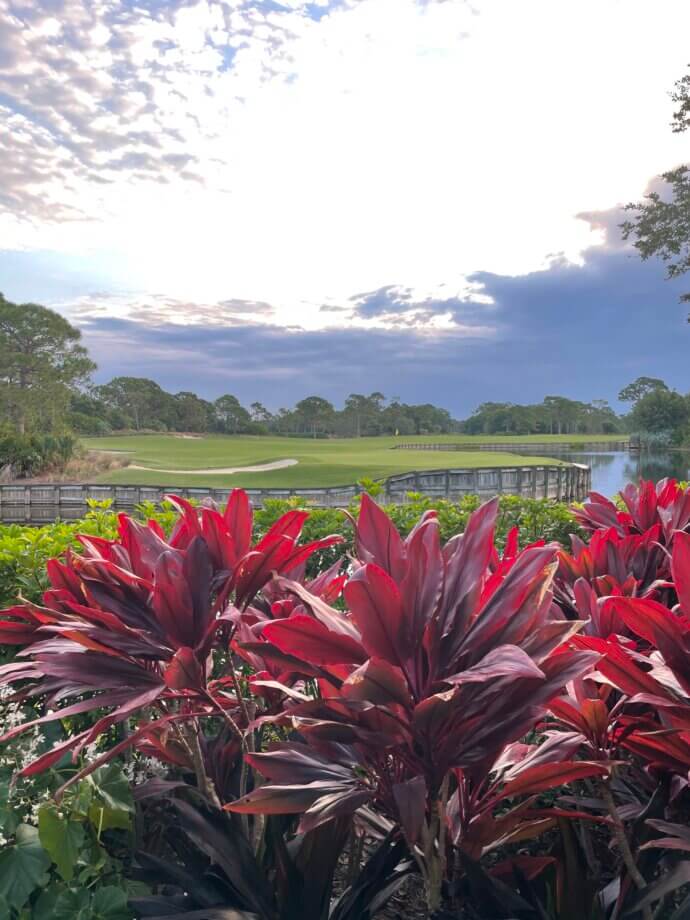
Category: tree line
[658,414]
[554,415]
[142,405]
[46,388]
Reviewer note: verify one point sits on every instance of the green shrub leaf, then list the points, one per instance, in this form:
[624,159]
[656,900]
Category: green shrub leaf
[62,838]
[112,787]
[23,867]
[110,903]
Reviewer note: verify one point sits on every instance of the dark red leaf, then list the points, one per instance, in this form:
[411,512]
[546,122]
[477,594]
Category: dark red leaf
[309,640]
[283,800]
[410,798]
[546,776]
[184,672]
[239,519]
[375,605]
[377,540]
[378,681]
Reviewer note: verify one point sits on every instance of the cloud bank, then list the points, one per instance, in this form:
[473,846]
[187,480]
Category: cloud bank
[278,196]
[582,330]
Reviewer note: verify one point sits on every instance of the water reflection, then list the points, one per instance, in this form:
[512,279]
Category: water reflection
[611,470]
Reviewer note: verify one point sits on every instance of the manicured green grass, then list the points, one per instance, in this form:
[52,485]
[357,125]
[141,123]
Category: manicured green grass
[320,462]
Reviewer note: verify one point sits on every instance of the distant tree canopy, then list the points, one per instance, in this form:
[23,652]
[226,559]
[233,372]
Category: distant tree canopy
[231,415]
[555,415]
[41,362]
[660,225]
[661,411]
[641,387]
[137,399]
[656,410]
[141,404]
[45,387]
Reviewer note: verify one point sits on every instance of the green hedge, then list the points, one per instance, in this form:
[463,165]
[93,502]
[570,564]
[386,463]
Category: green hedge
[24,550]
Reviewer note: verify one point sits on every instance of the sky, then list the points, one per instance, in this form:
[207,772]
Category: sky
[280,198]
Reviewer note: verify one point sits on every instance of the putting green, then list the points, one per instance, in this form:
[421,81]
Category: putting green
[173,460]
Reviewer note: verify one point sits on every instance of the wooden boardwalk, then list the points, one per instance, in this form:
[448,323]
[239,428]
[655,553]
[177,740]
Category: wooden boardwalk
[43,502]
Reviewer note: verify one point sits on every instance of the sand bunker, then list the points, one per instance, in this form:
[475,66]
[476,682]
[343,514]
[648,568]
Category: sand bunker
[222,470]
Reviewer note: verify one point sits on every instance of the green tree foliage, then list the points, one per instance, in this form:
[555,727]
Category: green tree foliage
[660,225]
[193,413]
[231,416]
[363,412]
[658,413]
[88,415]
[315,413]
[681,96]
[139,400]
[555,415]
[260,414]
[661,411]
[41,360]
[641,387]
[133,402]
[430,419]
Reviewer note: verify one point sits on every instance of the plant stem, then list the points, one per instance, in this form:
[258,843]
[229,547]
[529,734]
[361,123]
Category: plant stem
[436,849]
[249,744]
[622,841]
[190,735]
[228,718]
[354,861]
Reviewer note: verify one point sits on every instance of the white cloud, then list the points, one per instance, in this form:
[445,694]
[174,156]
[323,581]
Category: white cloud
[252,152]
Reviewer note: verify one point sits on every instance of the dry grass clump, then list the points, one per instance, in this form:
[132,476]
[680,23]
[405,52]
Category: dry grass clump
[83,467]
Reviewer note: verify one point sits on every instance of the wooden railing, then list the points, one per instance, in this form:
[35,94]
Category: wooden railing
[544,449]
[38,502]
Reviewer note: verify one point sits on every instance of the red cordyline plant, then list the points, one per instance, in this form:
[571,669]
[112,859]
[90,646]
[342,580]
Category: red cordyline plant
[271,670]
[654,671]
[637,700]
[635,565]
[128,626]
[664,504]
[443,660]
[626,555]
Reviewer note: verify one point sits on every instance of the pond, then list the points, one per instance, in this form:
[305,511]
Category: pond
[613,469]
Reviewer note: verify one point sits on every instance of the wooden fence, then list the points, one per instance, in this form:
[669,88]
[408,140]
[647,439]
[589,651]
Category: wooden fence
[38,503]
[526,447]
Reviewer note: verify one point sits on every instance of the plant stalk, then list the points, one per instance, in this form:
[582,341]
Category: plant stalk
[623,842]
[190,735]
[436,850]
